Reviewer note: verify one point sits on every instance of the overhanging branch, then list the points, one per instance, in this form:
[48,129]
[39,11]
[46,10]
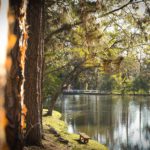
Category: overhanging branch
[64,27]
[67,27]
[114,10]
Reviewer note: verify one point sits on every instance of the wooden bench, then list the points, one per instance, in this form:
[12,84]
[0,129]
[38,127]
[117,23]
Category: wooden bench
[84,138]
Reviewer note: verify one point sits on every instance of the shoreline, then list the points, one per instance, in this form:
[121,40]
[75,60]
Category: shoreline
[55,122]
[113,94]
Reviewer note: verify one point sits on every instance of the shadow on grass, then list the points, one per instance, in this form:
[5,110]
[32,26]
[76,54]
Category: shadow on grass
[78,140]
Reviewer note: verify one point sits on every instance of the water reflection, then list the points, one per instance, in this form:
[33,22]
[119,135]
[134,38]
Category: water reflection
[119,122]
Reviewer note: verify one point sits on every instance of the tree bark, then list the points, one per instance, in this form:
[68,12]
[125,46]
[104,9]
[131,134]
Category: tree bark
[53,102]
[12,92]
[71,76]
[33,73]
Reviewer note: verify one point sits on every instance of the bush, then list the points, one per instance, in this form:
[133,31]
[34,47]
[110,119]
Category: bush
[140,84]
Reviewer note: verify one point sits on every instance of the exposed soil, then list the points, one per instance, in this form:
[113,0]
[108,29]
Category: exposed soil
[50,143]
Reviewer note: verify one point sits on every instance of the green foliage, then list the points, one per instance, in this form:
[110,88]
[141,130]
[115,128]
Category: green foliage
[141,85]
[107,83]
[84,36]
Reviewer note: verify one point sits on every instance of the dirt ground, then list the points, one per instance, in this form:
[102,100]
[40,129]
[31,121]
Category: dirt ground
[50,143]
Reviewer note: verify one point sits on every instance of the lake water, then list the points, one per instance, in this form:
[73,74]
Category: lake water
[119,122]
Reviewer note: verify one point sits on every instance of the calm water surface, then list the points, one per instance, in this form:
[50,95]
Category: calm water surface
[121,123]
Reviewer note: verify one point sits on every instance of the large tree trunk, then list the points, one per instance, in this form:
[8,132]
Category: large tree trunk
[33,73]
[12,94]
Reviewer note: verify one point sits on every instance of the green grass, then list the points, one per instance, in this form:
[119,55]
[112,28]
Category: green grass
[55,122]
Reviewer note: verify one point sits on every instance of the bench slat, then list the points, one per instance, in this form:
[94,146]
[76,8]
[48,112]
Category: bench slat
[84,135]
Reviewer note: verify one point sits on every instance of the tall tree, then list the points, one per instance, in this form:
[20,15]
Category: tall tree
[33,72]
[24,79]
[13,90]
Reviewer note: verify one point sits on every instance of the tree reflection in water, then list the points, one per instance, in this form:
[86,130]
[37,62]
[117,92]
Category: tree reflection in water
[121,123]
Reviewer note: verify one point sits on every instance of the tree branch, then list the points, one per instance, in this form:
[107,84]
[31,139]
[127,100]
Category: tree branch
[117,9]
[64,27]
[68,27]
[114,10]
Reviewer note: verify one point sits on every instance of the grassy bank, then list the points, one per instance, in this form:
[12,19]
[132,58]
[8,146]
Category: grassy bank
[60,126]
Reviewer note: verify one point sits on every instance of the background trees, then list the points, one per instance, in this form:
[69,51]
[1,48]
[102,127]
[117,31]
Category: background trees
[110,37]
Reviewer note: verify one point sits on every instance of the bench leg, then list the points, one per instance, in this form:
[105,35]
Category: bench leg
[86,141]
[81,139]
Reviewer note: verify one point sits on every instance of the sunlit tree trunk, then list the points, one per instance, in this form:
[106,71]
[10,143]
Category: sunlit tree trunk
[13,90]
[33,73]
